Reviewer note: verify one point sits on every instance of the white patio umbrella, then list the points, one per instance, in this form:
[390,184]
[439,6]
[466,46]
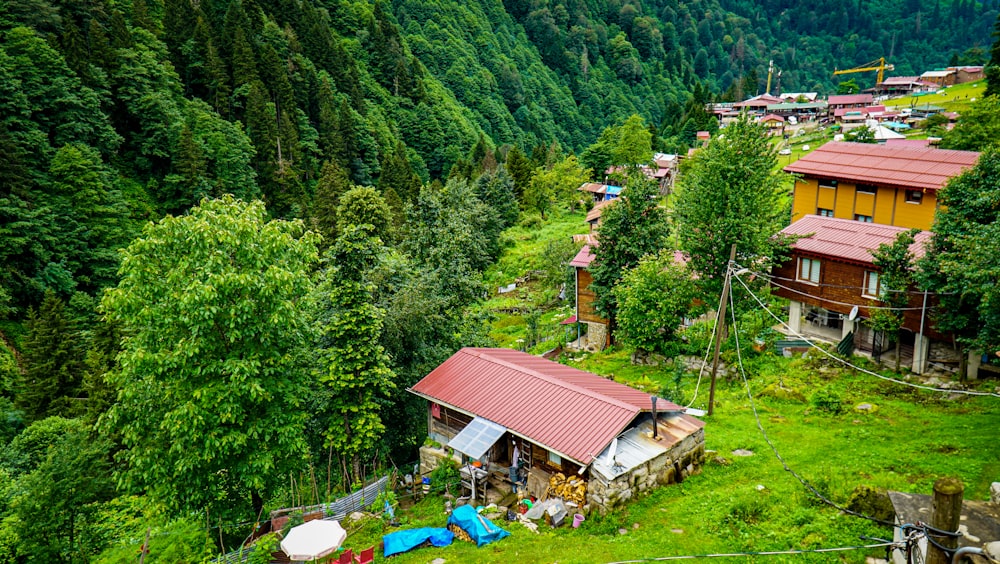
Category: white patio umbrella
[313,540]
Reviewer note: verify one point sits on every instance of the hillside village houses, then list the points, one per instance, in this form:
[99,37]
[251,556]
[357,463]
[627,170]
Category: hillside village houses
[848,199]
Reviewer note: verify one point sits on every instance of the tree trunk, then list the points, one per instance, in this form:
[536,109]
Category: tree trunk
[257,502]
[963,365]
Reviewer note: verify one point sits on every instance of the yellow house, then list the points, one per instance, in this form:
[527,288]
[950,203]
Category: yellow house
[875,183]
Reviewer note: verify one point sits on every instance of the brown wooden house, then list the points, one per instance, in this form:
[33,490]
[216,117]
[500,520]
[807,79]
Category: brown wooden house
[831,271]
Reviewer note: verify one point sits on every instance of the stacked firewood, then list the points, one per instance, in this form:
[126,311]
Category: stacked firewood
[569,489]
[460,533]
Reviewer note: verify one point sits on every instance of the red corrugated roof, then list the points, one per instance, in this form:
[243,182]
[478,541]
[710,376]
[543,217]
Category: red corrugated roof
[848,240]
[851,99]
[907,167]
[583,258]
[571,412]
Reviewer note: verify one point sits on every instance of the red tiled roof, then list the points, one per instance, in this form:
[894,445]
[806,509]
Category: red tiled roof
[851,99]
[908,167]
[848,240]
[583,258]
[571,412]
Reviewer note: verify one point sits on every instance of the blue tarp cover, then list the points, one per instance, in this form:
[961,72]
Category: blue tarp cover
[481,529]
[401,541]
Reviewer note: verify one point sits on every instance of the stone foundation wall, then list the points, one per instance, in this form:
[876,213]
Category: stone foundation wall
[684,459]
[597,336]
[430,457]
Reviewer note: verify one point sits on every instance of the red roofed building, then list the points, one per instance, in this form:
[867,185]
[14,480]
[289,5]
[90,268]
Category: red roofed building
[487,403]
[891,185]
[848,102]
[831,271]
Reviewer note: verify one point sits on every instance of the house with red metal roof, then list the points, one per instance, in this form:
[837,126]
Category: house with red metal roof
[848,102]
[888,184]
[831,271]
[500,408]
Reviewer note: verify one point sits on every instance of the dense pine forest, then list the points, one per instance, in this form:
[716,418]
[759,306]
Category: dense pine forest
[425,121]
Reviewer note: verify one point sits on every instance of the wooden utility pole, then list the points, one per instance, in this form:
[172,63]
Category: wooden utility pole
[947,509]
[720,327]
[145,548]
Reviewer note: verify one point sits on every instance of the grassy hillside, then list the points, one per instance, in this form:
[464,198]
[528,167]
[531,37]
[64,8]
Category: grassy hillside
[909,439]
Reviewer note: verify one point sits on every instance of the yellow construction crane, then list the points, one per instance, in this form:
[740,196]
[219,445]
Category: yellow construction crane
[876,65]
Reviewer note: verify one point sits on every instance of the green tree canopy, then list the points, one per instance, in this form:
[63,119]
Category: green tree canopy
[631,228]
[557,184]
[961,264]
[978,127]
[212,375]
[730,194]
[653,300]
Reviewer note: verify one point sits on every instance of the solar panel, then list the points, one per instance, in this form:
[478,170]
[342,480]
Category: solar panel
[477,437]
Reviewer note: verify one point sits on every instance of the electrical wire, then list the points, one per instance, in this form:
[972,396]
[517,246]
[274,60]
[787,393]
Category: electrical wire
[760,426]
[853,286]
[704,361]
[848,363]
[762,553]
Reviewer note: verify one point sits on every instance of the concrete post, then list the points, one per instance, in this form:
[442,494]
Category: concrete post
[921,352]
[975,359]
[795,316]
[947,510]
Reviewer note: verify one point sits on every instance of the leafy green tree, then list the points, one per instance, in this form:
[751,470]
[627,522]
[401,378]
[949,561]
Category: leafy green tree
[848,87]
[211,306]
[978,127]
[355,365]
[520,169]
[58,497]
[54,362]
[960,265]
[495,189]
[653,300]
[862,134]
[633,227]
[729,194]
[895,263]
[558,184]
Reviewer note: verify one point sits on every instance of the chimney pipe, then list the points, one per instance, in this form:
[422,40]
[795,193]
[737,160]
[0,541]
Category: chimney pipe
[654,415]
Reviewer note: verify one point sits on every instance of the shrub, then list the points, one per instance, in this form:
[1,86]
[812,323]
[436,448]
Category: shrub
[827,400]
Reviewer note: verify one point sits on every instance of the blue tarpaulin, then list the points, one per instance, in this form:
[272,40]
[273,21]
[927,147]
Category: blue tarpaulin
[481,529]
[401,541]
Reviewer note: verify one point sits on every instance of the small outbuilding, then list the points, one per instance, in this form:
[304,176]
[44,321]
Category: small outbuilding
[504,413]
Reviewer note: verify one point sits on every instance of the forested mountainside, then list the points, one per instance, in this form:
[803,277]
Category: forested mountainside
[117,111]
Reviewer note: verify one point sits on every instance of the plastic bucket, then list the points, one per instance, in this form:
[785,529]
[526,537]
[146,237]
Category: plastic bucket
[577,519]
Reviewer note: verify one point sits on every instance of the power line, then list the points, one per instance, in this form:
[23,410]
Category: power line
[764,553]
[848,363]
[853,286]
[760,426]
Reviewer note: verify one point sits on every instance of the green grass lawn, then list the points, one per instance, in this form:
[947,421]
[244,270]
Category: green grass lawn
[911,439]
[954,98]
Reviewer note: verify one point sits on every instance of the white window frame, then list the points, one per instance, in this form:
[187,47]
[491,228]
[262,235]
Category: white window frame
[871,277]
[824,212]
[866,188]
[808,270]
[914,197]
[864,218]
[827,183]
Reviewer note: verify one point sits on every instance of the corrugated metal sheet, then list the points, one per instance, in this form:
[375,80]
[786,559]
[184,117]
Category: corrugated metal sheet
[907,167]
[595,212]
[583,258]
[591,187]
[569,411]
[637,446]
[850,99]
[846,239]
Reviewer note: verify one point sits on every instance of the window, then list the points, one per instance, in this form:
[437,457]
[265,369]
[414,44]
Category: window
[914,196]
[866,189]
[872,288]
[824,212]
[809,270]
[824,183]
[555,458]
[863,218]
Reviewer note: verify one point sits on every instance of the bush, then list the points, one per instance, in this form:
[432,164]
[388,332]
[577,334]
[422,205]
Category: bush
[446,473]
[827,400]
